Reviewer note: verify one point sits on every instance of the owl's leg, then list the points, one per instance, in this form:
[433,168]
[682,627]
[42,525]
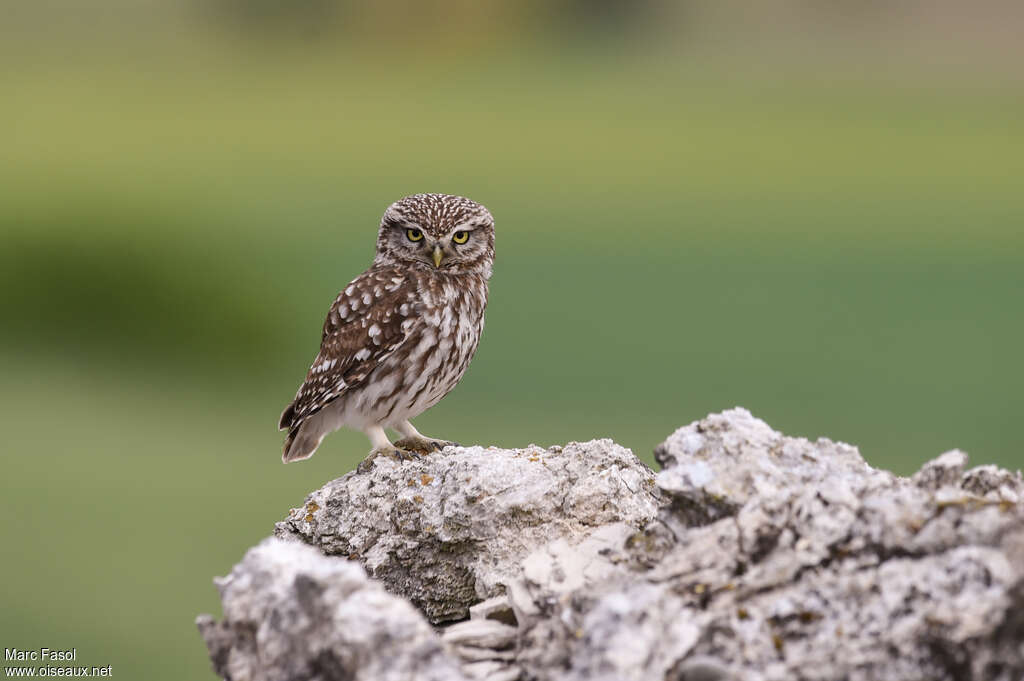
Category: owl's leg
[416,441]
[382,447]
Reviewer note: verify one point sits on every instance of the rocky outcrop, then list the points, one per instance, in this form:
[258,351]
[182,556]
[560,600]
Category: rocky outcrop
[780,558]
[451,529]
[751,555]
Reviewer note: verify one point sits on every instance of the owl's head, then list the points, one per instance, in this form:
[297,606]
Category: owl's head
[439,231]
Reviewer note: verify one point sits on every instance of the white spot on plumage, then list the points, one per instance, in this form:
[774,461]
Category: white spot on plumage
[324,366]
[374,332]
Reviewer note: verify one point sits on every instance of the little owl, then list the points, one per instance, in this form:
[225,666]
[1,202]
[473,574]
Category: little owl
[400,336]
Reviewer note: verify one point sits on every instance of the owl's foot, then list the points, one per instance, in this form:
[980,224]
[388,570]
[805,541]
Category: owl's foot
[424,445]
[395,452]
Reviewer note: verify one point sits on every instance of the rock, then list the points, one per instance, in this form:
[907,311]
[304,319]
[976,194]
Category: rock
[451,529]
[944,470]
[481,634]
[498,608]
[780,558]
[486,648]
[290,613]
[751,556]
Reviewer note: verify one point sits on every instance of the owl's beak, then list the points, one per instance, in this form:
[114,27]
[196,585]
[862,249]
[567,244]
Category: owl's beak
[438,255]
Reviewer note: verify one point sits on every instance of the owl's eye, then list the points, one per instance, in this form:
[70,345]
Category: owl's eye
[460,237]
[414,234]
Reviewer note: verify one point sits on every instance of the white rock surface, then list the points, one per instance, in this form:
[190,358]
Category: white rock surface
[451,529]
[757,557]
[291,613]
[780,558]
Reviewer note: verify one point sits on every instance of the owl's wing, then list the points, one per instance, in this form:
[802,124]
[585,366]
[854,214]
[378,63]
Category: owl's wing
[372,317]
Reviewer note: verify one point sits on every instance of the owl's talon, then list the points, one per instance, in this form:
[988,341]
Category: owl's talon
[407,455]
[423,445]
[366,464]
[394,453]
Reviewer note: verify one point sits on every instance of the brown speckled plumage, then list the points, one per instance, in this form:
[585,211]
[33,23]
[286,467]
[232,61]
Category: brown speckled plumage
[400,336]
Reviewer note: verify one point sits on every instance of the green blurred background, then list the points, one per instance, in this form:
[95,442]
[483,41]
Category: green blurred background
[813,210]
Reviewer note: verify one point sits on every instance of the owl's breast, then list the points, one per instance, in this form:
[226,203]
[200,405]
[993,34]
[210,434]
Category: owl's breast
[453,313]
[443,332]
[452,306]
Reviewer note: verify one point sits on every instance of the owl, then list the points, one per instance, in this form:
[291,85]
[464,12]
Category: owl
[400,336]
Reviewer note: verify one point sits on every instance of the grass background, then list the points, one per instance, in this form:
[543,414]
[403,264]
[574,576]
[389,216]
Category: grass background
[841,254]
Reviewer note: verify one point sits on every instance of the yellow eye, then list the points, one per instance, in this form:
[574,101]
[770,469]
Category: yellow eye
[460,237]
[414,234]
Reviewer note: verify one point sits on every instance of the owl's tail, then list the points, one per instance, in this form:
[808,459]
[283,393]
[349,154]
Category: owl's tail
[303,437]
[301,444]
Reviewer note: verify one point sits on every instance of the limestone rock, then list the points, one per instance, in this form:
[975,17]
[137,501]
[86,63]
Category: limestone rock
[780,558]
[451,529]
[752,556]
[290,613]
[486,648]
